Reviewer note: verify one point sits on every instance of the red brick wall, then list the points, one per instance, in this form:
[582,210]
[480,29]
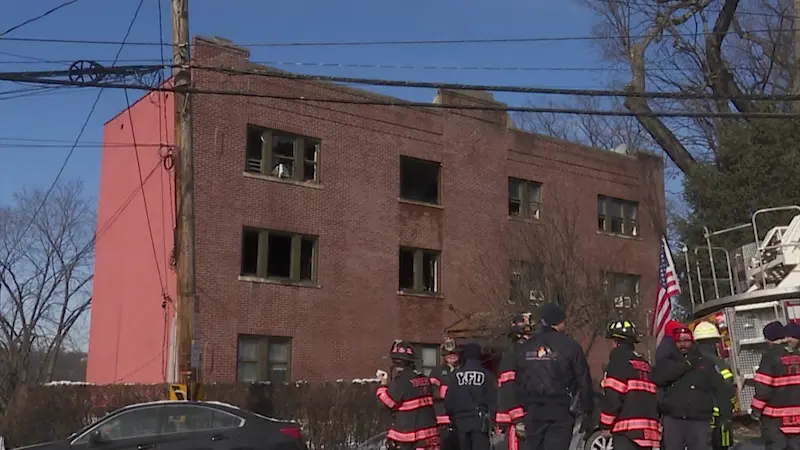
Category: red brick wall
[343,327]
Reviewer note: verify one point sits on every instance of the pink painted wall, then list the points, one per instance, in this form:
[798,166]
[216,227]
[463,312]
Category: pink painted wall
[129,333]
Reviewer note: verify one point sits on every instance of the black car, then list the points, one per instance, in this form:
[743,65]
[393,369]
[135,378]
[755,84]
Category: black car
[182,425]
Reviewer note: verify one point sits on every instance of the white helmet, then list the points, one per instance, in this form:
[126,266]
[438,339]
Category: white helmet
[706,330]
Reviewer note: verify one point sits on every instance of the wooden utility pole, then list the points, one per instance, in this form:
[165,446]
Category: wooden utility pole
[188,357]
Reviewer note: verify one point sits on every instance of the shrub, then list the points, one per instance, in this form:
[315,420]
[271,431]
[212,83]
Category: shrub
[333,415]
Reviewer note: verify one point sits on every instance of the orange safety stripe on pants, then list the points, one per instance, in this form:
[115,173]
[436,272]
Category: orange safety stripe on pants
[513,439]
[413,436]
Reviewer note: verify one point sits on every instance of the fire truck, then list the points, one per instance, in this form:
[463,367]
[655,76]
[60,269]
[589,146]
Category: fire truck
[742,290]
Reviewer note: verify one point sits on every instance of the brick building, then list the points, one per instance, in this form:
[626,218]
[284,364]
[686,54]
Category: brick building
[325,230]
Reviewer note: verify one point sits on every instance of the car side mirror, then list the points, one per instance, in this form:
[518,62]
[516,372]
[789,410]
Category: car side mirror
[96,438]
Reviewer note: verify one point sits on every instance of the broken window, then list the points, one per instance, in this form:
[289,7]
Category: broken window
[282,155]
[419,180]
[623,289]
[419,270]
[526,283]
[264,358]
[278,255]
[524,198]
[617,216]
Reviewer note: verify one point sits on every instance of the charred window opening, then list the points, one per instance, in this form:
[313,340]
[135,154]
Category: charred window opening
[526,283]
[623,288]
[419,270]
[282,155]
[617,216]
[264,358]
[419,180]
[279,255]
[524,198]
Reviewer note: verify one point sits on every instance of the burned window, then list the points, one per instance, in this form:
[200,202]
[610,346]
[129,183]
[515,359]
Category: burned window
[419,180]
[264,358]
[524,198]
[419,270]
[526,283]
[278,255]
[623,289]
[282,155]
[617,216]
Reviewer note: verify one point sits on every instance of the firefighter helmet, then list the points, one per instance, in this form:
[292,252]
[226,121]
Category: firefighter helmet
[623,330]
[449,346]
[706,330]
[402,351]
[521,324]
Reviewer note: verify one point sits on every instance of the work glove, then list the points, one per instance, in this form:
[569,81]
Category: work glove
[519,429]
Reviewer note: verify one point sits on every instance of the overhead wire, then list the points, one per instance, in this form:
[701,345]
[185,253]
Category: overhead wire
[40,16]
[80,133]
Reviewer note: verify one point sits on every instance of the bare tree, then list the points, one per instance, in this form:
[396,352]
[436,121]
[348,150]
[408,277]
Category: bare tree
[548,261]
[45,280]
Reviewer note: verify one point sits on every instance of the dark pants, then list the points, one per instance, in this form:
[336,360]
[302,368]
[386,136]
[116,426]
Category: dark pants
[680,434]
[774,439]
[624,443]
[448,437]
[548,434]
[473,440]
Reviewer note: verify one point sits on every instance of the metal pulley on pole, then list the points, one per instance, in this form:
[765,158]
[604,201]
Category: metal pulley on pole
[188,349]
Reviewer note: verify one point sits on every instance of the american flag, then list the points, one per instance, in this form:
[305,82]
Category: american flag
[668,287]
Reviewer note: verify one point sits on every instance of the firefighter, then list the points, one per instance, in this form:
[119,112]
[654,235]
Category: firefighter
[692,388]
[707,337]
[409,395]
[630,405]
[507,406]
[550,371]
[470,399]
[777,399]
[440,377]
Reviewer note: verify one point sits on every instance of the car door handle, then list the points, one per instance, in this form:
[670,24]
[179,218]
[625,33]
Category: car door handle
[145,446]
[218,437]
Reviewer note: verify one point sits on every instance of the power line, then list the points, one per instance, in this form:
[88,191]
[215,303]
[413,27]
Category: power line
[80,133]
[40,16]
[379,43]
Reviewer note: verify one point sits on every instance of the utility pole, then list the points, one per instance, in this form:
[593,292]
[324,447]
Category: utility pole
[188,354]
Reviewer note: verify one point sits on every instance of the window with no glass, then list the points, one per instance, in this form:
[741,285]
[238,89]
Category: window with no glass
[524,198]
[617,216]
[282,155]
[527,282]
[419,270]
[264,358]
[420,180]
[623,288]
[279,255]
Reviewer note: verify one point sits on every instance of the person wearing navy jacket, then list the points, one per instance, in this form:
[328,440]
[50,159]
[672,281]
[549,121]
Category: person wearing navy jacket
[470,399]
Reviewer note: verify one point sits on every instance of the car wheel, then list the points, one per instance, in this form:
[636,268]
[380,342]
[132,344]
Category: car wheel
[597,441]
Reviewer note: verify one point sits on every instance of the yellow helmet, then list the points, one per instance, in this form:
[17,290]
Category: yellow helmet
[706,330]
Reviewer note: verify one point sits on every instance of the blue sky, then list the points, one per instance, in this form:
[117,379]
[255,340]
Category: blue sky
[58,115]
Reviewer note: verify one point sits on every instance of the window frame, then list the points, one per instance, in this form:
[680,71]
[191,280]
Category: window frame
[526,211]
[263,364]
[420,348]
[166,414]
[295,257]
[630,223]
[612,280]
[298,154]
[535,282]
[419,278]
[438,166]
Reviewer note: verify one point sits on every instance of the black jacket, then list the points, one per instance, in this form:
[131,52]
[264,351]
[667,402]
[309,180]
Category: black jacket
[724,370]
[777,398]
[440,378]
[692,387]
[550,369]
[410,398]
[471,394]
[629,405]
[509,409]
